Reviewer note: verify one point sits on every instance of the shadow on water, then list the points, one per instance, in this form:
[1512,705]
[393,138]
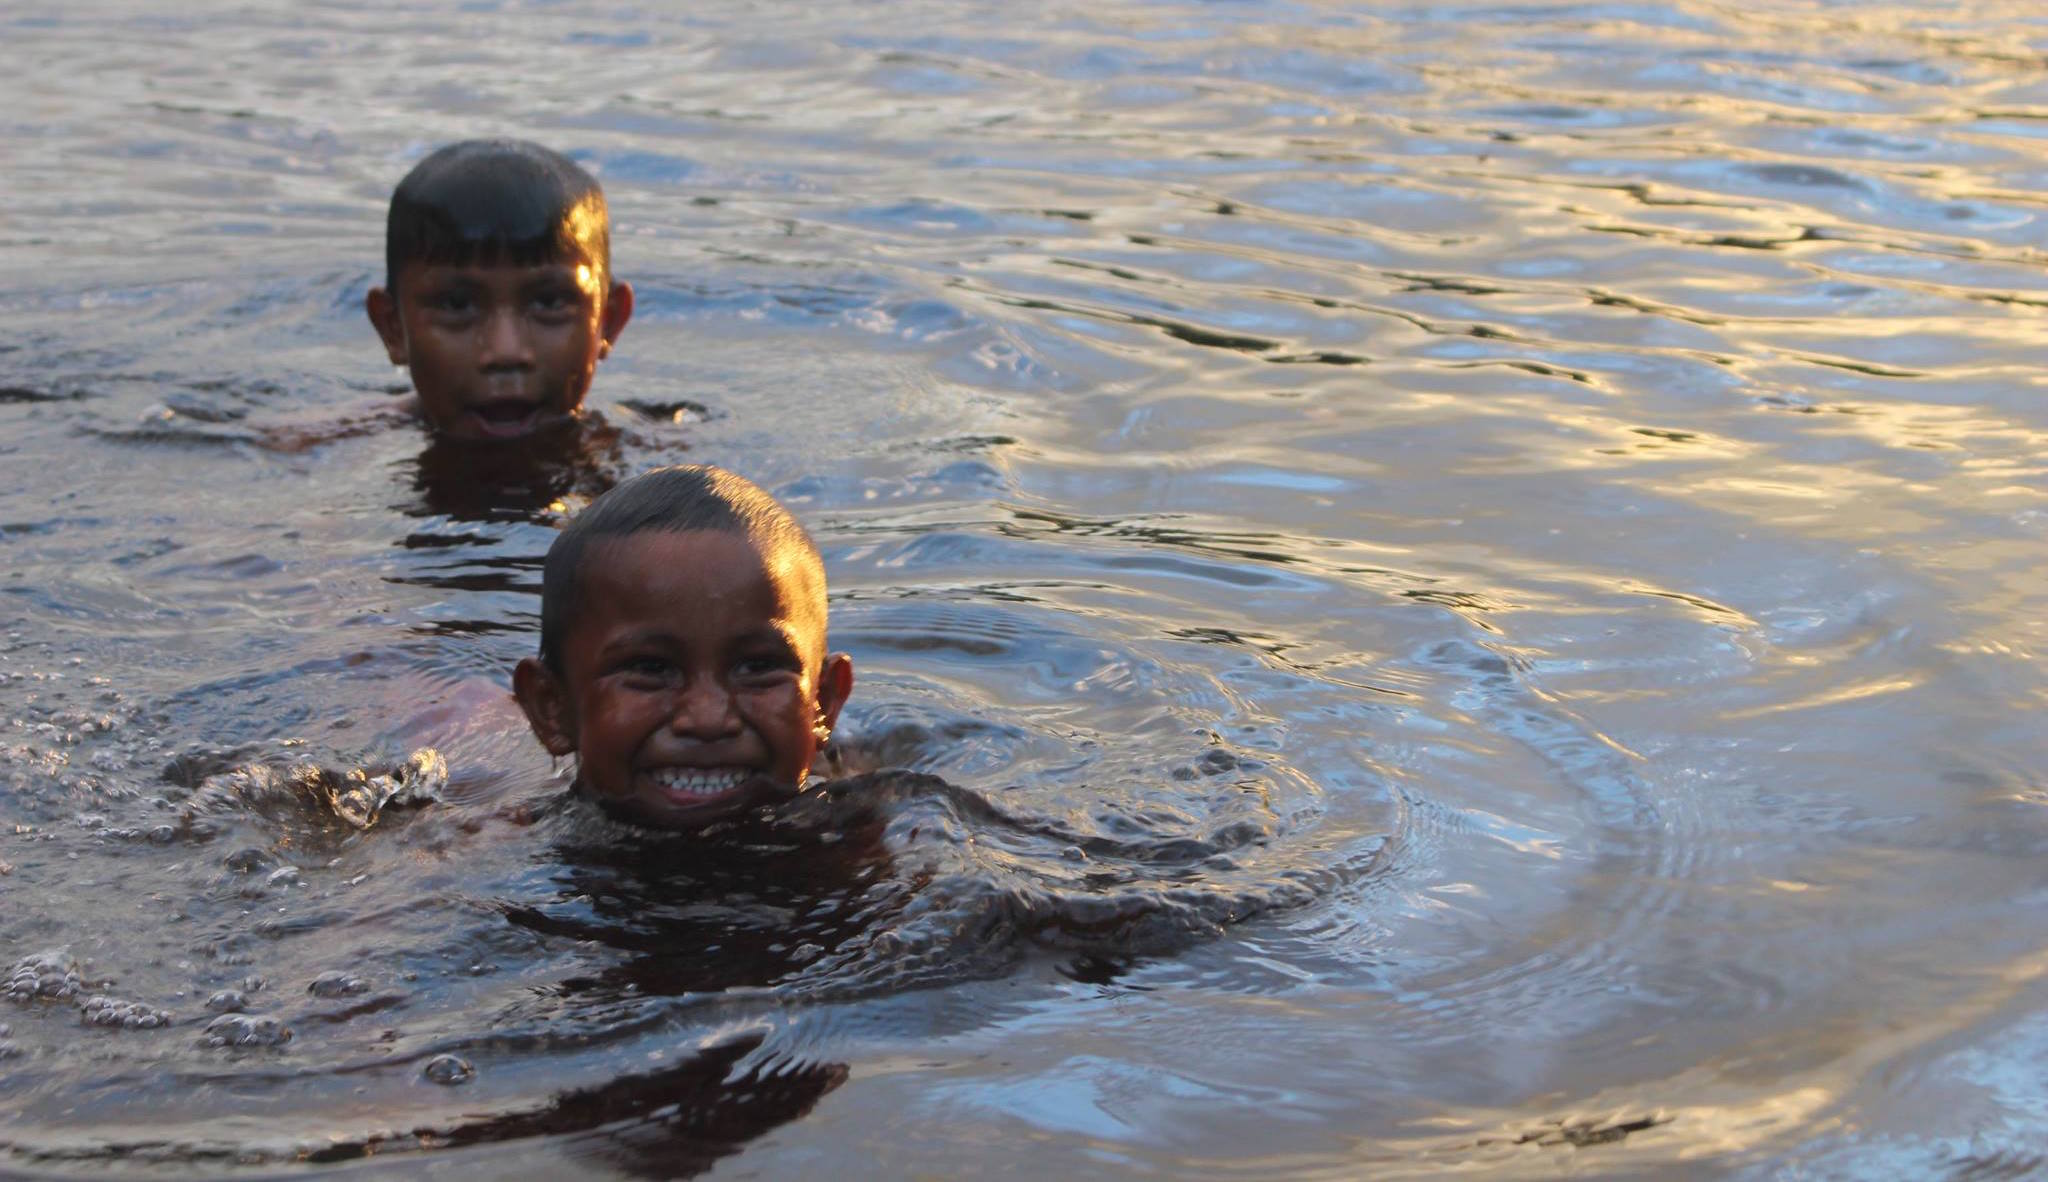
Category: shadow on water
[545,478]
[674,1123]
[623,943]
[743,905]
[887,880]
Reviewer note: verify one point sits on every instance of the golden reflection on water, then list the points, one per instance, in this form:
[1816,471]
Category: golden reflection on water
[1834,696]
[1598,451]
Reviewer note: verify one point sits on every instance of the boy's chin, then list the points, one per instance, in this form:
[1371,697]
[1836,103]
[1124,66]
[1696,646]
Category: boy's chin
[676,813]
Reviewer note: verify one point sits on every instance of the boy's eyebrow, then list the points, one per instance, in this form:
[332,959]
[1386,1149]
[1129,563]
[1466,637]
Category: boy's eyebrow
[553,275]
[447,277]
[781,633]
[550,269]
[636,639]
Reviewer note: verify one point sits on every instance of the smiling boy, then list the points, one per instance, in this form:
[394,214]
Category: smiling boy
[682,650]
[498,292]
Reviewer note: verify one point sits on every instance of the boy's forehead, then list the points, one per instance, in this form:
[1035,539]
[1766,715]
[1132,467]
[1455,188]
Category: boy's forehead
[576,257]
[781,563]
[580,269]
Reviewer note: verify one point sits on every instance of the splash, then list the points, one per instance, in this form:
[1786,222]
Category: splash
[356,795]
[361,798]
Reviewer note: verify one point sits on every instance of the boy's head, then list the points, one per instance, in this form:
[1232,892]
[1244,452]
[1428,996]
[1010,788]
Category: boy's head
[498,293]
[682,649]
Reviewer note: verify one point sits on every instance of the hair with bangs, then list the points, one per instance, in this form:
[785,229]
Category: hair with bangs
[495,201]
[675,500]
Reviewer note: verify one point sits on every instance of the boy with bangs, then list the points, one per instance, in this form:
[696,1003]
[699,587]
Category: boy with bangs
[682,650]
[498,293]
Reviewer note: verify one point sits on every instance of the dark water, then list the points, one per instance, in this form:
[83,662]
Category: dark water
[1452,586]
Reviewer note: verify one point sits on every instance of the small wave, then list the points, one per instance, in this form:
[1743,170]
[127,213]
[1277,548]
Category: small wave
[893,879]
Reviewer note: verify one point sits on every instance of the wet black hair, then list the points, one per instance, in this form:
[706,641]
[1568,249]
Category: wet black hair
[680,499]
[495,201]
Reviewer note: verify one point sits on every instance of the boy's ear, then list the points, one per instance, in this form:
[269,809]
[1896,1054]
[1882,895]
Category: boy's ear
[618,308]
[546,705]
[383,309]
[835,685]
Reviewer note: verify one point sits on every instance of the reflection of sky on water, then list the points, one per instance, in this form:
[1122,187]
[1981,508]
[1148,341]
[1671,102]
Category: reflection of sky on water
[1542,503]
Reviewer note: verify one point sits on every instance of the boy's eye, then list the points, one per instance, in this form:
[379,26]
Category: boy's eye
[647,668]
[769,668]
[554,301]
[453,303]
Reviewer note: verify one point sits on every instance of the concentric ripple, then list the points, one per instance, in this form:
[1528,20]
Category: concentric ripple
[1433,587]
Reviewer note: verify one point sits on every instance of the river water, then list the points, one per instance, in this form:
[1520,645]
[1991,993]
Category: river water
[1434,586]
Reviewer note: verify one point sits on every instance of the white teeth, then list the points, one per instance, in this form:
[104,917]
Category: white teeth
[698,781]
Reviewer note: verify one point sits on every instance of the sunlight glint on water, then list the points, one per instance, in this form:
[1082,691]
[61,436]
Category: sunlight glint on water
[1433,586]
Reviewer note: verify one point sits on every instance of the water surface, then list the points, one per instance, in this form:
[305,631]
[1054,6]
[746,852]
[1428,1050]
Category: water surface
[1433,586]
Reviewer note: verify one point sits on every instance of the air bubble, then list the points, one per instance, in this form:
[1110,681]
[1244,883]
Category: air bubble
[242,1030]
[337,984]
[228,1001]
[128,1015]
[449,1070]
[44,975]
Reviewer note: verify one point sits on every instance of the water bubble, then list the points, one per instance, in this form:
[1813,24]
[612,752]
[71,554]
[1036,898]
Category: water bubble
[337,984]
[242,1030]
[228,1001]
[128,1015]
[449,1070]
[45,974]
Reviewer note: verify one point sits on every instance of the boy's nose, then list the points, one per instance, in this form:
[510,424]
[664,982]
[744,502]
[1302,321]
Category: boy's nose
[505,342]
[705,711]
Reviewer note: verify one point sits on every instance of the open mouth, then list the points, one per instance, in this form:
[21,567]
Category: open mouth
[505,417]
[699,785]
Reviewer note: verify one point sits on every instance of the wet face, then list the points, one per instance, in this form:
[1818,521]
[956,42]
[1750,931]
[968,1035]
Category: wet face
[500,350]
[694,684]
